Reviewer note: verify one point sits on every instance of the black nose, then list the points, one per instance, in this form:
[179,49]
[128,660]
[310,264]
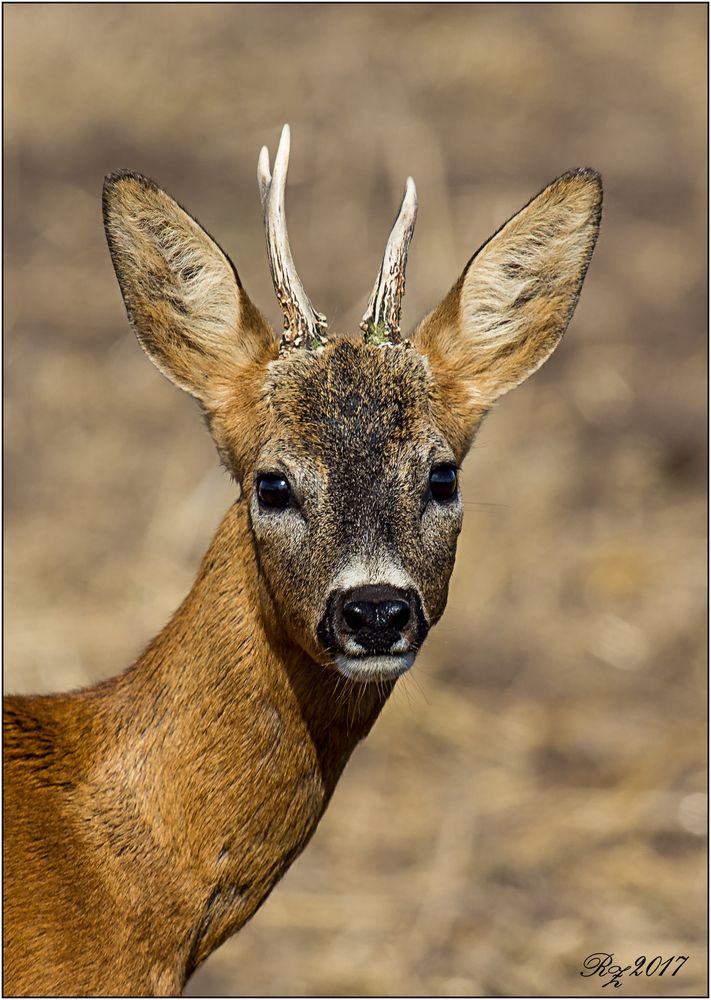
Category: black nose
[372,619]
[376,615]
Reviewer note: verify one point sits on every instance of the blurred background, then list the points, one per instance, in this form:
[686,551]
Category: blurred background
[535,790]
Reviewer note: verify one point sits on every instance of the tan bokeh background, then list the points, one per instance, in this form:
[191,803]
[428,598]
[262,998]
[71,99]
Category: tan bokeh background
[534,791]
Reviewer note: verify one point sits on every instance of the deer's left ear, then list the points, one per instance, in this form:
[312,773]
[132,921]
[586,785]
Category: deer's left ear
[512,304]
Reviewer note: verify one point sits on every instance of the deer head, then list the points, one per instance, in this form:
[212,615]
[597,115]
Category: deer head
[348,450]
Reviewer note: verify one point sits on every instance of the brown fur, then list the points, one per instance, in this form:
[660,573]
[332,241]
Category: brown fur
[148,817]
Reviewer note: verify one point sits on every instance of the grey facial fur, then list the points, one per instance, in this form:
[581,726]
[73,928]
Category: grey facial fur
[356,442]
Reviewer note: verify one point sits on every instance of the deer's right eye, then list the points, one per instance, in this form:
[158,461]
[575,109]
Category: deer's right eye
[273,491]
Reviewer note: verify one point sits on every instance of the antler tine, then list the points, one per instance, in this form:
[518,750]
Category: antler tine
[264,174]
[381,322]
[303,325]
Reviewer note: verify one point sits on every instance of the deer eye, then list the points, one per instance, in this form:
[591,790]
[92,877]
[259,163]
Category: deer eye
[273,490]
[443,482]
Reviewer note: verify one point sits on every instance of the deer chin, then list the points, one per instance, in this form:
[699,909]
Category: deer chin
[381,667]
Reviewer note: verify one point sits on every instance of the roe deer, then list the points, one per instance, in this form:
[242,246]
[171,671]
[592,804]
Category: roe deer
[147,817]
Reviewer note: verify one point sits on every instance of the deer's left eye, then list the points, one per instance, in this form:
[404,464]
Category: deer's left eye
[273,491]
[443,482]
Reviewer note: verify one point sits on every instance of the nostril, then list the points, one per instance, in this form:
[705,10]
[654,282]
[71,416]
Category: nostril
[377,615]
[356,614]
[374,617]
[394,614]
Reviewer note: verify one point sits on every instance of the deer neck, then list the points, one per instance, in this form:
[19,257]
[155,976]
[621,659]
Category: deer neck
[230,742]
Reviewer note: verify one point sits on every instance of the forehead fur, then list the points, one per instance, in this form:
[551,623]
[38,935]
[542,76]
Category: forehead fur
[351,397]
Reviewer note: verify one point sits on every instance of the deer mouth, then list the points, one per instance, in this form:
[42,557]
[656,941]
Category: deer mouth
[381,667]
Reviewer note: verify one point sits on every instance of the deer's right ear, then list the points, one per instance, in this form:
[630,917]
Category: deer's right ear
[182,295]
[512,304]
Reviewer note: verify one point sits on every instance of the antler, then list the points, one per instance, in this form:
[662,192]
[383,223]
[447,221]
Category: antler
[303,325]
[381,322]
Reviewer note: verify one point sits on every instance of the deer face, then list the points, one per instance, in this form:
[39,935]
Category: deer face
[347,451]
[355,504]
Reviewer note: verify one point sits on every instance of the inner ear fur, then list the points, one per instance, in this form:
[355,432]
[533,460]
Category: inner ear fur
[182,293]
[512,303]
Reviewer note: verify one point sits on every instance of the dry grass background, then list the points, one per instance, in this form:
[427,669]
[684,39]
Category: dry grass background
[534,791]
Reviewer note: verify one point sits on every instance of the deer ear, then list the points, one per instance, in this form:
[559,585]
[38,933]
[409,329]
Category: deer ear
[182,294]
[513,302]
